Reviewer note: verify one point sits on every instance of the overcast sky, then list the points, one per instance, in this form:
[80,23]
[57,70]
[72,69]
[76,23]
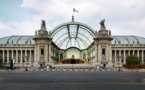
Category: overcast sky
[23,17]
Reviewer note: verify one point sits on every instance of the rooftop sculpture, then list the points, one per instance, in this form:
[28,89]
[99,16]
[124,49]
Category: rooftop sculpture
[102,24]
[43,25]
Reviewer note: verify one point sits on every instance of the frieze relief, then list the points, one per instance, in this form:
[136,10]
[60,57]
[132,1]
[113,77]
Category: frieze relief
[42,45]
[104,45]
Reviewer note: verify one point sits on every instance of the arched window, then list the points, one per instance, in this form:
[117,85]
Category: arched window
[73,56]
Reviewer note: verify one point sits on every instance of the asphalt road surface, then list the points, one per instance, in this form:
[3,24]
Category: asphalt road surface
[21,80]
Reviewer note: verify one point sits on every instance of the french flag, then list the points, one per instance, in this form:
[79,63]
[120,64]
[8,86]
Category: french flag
[74,10]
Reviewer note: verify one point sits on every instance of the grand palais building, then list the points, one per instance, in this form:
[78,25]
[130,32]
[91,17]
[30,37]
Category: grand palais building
[71,43]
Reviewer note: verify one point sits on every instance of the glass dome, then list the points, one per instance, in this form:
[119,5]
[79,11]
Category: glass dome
[73,34]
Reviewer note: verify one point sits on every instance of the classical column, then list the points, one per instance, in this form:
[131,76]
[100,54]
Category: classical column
[128,52]
[12,54]
[46,53]
[16,56]
[106,54]
[3,55]
[99,53]
[35,53]
[124,57]
[133,52]
[96,53]
[119,52]
[142,56]
[25,56]
[50,53]
[7,56]
[115,56]
[110,53]
[137,53]
[119,56]
[30,56]
[21,57]
[38,53]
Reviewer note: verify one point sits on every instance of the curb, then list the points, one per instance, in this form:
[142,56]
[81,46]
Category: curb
[1,79]
[140,71]
[3,70]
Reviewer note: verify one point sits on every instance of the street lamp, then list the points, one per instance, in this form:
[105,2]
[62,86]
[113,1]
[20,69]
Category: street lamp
[26,57]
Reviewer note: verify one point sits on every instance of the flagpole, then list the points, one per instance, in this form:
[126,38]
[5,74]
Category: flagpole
[73,14]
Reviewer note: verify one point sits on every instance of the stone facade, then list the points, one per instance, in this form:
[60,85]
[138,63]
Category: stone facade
[45,52]
[102,41]
[42,45]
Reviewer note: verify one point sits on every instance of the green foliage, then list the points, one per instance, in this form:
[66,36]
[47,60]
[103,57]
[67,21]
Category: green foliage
[1,60]
[3,68]
[132,60]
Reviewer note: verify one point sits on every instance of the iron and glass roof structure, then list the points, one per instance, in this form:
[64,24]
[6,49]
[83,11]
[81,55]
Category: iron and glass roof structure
[128,40]
[73,34]
[29,39]
[17,40]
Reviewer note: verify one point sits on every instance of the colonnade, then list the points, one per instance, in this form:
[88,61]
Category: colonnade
[18,55]
[124,53]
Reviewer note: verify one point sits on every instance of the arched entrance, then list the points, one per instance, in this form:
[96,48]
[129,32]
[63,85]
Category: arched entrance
[73,61]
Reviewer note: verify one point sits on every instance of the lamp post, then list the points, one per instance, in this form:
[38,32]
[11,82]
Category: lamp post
[119,61]
[26,57]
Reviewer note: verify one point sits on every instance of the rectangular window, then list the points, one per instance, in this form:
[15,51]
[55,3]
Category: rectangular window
[103,51]
[42,51]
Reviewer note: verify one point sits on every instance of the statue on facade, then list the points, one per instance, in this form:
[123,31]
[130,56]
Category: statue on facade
[49,33]
[115,41]
[25,42]
[42,57]
[96,32]
[102,24]
[41,62]
[35,32]
[43,25]
[104,61]
[109,32]
[103,57]
[7,42]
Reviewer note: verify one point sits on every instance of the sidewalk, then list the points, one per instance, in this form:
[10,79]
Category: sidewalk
[140,70]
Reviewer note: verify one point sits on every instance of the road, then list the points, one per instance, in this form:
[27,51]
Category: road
[42,80]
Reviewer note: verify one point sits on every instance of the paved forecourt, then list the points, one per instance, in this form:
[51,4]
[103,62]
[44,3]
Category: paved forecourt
[66,80]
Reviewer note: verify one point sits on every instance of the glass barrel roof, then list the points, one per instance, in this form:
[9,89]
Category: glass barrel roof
[128,40]
[73,34]
[17,40]
[81,41]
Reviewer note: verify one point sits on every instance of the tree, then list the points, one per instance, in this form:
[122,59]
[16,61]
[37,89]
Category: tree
[1,60]
[133,60]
